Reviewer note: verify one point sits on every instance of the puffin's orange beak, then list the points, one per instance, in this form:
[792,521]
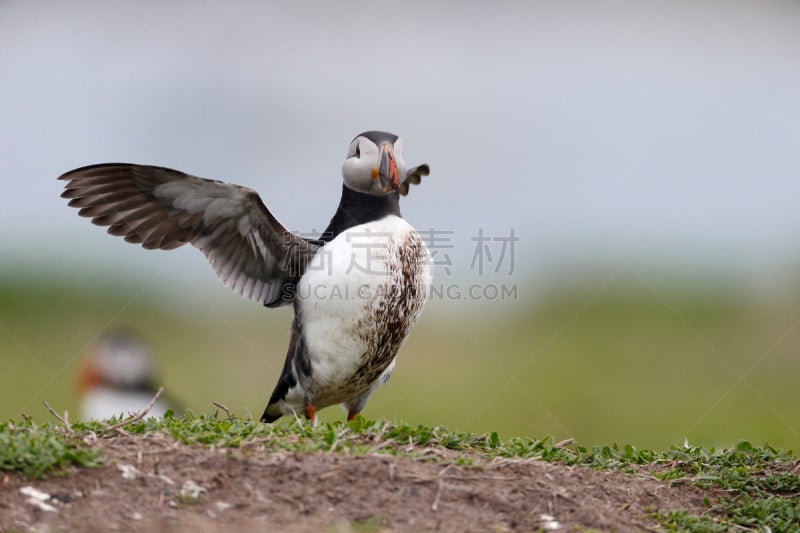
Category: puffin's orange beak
[87,376]
[387,169]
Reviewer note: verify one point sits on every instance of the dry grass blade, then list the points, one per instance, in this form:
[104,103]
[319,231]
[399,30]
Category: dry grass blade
[64,420]
[564,443]
[227,411]
[439,485]
[138,416]
[377,447]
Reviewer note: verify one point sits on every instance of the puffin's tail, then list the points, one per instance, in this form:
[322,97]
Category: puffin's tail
[269,418]
[286,380]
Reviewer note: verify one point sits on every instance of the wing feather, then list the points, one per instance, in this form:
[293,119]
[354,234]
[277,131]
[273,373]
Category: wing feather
[161,208]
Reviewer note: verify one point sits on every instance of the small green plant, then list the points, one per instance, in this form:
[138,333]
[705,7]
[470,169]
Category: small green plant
[371,524]
[34,450]
[759,486]
[684,521]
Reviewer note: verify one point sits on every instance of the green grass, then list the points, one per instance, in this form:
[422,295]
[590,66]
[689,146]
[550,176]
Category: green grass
[748,486]
[35,450]
[760,487]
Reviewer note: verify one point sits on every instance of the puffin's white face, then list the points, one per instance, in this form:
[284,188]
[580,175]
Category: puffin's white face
[375,165]
[115,360]
[124,364]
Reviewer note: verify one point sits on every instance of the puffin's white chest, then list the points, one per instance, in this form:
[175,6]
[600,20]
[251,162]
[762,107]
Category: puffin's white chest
[358,300]
[100,403]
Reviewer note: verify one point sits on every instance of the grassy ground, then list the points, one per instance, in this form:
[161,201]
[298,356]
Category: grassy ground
[621,362]
[747,487]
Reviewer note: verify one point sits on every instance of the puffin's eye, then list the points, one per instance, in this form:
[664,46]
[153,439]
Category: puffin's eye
[358,151]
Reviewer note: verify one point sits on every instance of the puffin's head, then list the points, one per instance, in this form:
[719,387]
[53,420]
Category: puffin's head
[118,358]
[375,165]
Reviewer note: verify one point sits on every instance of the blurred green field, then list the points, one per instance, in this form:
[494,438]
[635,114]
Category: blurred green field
[621,362]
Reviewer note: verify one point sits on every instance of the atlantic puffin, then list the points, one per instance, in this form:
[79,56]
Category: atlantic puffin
[357,290]
[116,377]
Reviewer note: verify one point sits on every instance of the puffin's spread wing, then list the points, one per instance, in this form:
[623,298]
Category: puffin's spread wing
[157,207]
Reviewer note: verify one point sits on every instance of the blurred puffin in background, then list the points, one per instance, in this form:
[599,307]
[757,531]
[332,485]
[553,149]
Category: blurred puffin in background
[116,377]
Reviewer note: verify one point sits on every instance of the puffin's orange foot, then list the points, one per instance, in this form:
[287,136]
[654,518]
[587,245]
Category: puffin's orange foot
[310,412]
[351,416]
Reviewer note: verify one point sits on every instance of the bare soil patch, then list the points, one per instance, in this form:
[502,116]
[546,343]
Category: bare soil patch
[155,484]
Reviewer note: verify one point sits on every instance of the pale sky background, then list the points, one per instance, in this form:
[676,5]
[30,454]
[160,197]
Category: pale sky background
[662,132]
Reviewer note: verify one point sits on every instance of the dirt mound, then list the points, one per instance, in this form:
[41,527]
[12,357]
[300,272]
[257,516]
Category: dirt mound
[151,484]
